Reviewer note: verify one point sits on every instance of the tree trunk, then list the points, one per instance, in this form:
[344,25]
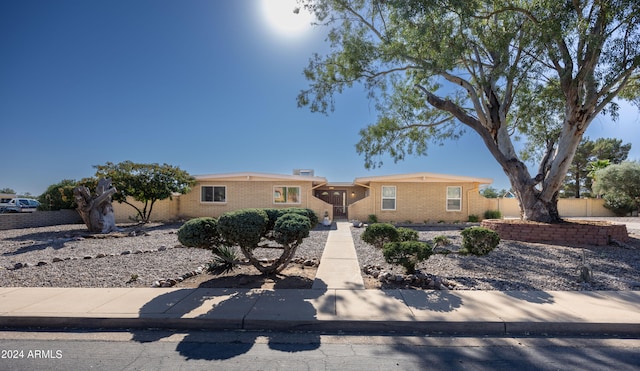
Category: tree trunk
[96,211]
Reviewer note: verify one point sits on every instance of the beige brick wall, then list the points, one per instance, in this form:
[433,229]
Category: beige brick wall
[416,202]
[419,202]
[242,195]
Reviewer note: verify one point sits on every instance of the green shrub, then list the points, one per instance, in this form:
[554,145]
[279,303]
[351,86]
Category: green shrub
[620,203]
[244,228]
[291,228]
[441,240]
[406,254]
[474,218]
[372,219]
[274,214]
[492,214]
[380,233]
[308,213]
[479,241]
[200,232]
[407,234]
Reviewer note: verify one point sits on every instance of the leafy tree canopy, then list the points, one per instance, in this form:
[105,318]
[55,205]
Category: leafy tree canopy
[620,185]
[145,183]
[58,196]
[491,192]
[508,70]
[590,156]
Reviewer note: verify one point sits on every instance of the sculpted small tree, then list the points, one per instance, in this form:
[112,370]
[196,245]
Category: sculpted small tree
[251,230]
[96,210]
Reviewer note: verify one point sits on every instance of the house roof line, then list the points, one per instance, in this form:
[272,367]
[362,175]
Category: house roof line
[423,177]
[255,176]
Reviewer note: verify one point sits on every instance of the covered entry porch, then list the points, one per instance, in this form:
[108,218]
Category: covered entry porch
[340,196]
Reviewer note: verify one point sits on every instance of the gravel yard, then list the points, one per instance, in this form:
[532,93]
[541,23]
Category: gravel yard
[59,256]
[517,265]
[65,256]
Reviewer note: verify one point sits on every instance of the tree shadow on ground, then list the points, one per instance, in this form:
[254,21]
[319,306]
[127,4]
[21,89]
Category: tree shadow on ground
[258,310]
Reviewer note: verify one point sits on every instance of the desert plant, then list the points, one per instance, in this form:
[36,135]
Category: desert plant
[479,241]
[492,214]
[224,260]
[200,232]
[407,254]
[380,233]
[407,234]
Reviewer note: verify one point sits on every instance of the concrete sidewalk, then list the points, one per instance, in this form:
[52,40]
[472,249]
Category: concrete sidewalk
[338,302]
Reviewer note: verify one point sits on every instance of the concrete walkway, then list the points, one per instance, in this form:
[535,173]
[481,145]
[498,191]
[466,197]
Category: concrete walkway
[338,302]
[339,267]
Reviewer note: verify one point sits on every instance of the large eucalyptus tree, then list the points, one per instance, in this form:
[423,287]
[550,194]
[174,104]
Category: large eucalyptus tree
[541,70]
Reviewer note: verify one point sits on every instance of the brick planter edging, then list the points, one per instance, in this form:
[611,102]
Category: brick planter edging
[573,232]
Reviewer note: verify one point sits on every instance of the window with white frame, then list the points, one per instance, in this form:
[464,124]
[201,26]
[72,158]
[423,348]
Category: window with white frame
[388,197]
[286,195]
[454,198]
[215,194]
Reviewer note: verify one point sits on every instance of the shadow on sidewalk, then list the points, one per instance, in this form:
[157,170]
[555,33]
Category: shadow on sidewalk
[225,305]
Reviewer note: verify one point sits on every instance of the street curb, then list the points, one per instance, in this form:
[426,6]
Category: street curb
[330,326]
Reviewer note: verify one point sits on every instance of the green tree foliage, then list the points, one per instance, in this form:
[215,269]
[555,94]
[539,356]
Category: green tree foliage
[508,70]
[590,153]
[490,192]
[7,191]
[620,185]
[58,196]
[145,183]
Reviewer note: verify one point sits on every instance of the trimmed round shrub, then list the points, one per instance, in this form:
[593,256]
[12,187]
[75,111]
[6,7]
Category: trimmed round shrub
[407,254]
[244,228]
[274,214]
[291,228]
[200,232]
[407,234]
[492,214]
[479,241]
[380,233]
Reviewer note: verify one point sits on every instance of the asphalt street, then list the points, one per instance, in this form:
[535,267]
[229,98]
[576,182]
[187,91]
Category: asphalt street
[245,350]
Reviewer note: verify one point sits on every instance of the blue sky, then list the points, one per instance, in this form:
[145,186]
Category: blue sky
[208,86]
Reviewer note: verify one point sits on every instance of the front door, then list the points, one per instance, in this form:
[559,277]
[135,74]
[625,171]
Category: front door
[336,198]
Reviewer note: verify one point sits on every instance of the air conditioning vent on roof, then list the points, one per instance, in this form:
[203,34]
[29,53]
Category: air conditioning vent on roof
[303,172]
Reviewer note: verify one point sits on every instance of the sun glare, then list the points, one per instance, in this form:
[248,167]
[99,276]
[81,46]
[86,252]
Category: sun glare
[286,17]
